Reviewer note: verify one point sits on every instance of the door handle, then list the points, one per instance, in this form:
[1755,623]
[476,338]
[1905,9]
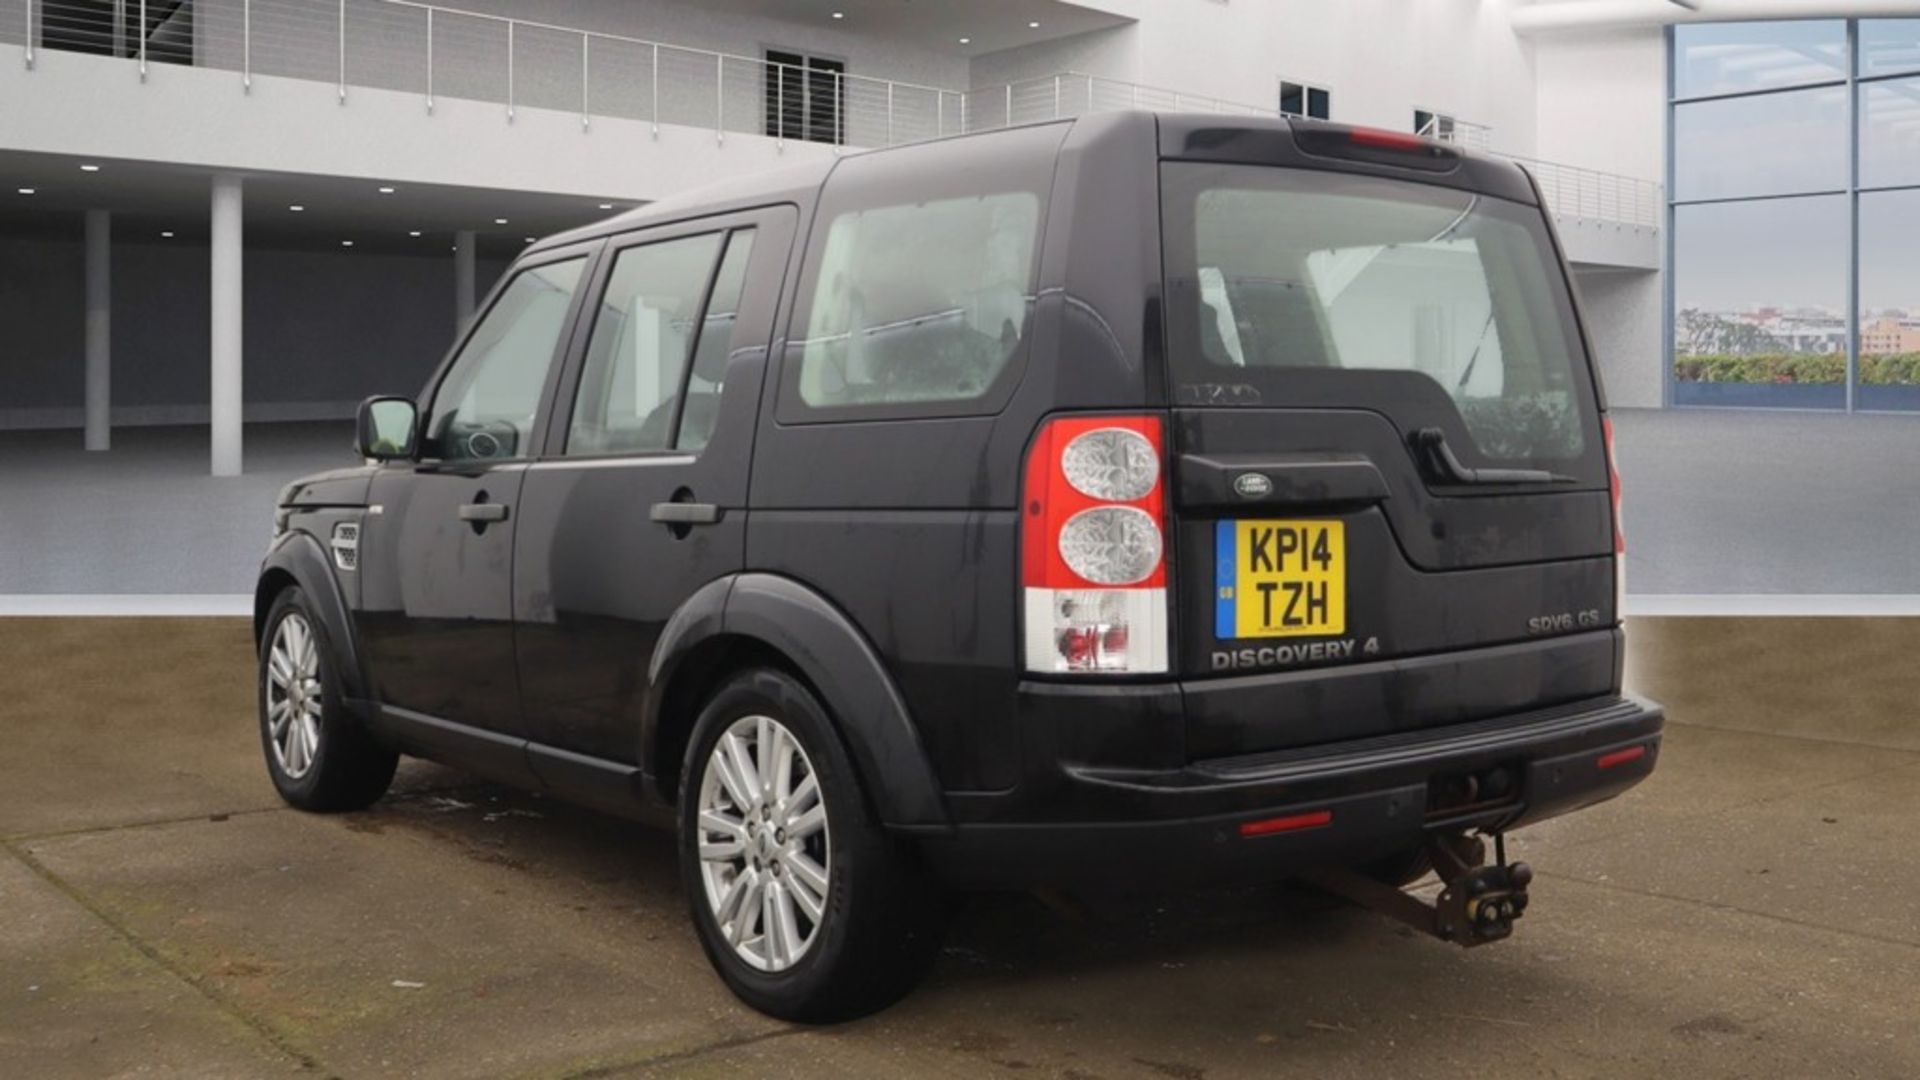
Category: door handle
[482,513]
[685,513]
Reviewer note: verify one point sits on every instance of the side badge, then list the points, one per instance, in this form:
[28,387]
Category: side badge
[1252,485]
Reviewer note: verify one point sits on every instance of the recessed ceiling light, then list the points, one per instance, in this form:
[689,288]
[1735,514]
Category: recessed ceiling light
[415,232]
[89,168]
[499,221]
[26,191]
[529,239]
[296,208]
[386,191]
[346,243]
[606,206]
[966,41]
[839,14]
[166,236]
[1033,26]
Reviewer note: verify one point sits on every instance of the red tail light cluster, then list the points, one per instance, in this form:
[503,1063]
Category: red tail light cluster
[1094,546]
[1619,528]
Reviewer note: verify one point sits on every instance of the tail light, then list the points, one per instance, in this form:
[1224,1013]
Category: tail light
[1094,547]
[1374,145]
[1619,528]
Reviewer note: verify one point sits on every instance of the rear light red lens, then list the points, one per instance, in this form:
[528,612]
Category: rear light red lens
[1291,823]
[1613,485]
[1620,757]
[1093,546]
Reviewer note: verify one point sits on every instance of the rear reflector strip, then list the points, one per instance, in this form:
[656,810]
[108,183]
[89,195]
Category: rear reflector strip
[1620,757]
[1290,823]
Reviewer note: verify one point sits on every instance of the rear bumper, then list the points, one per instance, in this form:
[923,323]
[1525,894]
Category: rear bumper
[1351,802]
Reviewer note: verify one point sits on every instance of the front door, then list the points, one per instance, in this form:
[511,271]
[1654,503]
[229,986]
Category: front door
[436,617]
[641,497]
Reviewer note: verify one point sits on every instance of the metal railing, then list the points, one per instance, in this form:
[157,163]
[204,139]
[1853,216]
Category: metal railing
[1572,191]
[446,53]
[442,52]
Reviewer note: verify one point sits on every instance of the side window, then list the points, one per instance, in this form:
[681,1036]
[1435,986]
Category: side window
[644,332]
[919,303]
[709,372]
[486,405]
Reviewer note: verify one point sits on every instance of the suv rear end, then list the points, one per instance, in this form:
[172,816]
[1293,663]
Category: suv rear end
[1351,579]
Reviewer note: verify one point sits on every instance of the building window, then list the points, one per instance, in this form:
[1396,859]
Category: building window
[804,97]
[1433,125]
[1305,99]
[1783,205]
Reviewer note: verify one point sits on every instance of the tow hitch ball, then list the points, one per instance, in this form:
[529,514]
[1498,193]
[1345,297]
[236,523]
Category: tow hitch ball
[1478,901]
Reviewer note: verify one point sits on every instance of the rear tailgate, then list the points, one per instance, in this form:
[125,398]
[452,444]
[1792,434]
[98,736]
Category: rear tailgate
[1387,458]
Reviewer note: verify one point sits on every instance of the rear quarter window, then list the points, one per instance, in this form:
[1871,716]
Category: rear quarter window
[916,297]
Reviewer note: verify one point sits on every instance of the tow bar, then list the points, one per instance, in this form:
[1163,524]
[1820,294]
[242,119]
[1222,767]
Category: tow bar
[1477,903]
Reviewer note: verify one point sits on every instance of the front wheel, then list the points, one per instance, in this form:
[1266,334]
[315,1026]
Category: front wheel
[806,907]
[319,755]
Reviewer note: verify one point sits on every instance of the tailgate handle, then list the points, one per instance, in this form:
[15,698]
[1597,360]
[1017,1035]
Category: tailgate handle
[1279,479]
[1430,446]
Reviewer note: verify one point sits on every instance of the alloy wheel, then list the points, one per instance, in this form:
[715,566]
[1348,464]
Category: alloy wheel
[294,696]
[763,843]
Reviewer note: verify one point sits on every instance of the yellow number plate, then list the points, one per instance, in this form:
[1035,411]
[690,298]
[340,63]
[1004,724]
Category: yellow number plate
[1280,579]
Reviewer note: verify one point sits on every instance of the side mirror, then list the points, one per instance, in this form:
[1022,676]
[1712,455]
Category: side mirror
[385,428]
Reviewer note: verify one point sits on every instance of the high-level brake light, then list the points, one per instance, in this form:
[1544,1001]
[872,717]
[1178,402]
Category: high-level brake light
[1093,547]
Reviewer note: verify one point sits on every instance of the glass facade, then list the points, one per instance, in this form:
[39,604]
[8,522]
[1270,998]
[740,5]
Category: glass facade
[1795,214]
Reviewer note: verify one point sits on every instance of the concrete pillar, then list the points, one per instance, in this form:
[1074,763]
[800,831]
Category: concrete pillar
[99,329]
[225,347]
[463,255]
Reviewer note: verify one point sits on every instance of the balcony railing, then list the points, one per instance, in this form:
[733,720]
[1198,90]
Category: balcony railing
[440,52]
[445,53]
[1570,190]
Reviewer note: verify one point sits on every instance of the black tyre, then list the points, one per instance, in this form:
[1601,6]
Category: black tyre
[319,755]
[806,907]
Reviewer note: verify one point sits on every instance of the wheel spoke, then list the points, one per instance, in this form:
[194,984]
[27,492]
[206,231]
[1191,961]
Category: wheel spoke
[804,893]
[772,940]
[310,736]
[296,743]
[766,743]
[749,914]
[279,664]
[809,873]
[744,767]
[727,850]
[804,794]
[808,823]
[277,719]
[783,751]
[721,762]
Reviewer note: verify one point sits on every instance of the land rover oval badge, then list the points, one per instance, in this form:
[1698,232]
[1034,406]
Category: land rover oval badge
[1252,485]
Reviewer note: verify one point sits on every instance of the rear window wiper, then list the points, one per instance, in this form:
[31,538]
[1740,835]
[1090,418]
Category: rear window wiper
[1430,446]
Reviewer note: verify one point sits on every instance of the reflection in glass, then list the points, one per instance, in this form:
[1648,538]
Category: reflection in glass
[1760,303]
[1889,301]
[1773,144]
[1732,58]
[1890,133]
[1889,46]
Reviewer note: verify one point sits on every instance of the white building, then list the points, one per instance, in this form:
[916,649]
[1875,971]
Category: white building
[277,192]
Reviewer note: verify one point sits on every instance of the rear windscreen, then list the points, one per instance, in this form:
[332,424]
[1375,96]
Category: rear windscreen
[1299,287]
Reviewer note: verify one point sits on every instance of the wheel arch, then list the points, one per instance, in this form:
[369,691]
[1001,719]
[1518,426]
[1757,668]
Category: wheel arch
[298,559]
[759,619]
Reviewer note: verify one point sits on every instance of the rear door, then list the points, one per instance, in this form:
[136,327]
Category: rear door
[1391,483]
[640,498]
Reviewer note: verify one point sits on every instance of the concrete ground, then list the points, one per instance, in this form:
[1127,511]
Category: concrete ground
[1719,502]
[1748,911]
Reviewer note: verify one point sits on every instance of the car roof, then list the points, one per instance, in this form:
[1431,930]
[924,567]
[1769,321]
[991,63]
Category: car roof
[1192,136]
